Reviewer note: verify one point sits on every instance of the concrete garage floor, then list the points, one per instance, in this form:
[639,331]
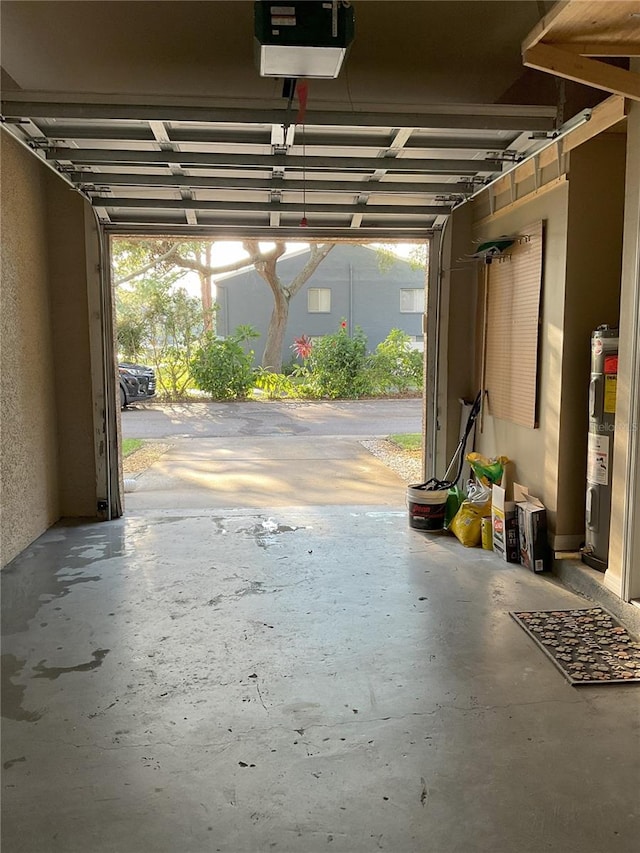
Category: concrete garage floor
[297,678]
[264,470]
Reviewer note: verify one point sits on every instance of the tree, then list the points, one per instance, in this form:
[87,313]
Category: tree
[418,257]
[265,264]
[171,260]
[135,258]
[160,324]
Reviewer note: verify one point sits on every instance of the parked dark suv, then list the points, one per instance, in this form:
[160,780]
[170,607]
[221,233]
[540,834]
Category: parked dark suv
[137,383]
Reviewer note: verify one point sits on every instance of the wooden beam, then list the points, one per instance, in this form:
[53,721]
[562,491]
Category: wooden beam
[520,174]
[527,170]
[508,208]
[600,48]
[544,24]
[548,155]
[591,72]
[603,116]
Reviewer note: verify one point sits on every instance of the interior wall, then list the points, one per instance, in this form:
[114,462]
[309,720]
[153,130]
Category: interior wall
[29,498]
[534,452]
[456,368]
[592,297]
[47,451]
[623,574]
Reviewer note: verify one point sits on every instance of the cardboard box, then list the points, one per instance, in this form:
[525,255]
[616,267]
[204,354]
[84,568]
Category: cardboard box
[504,522]
[532,530]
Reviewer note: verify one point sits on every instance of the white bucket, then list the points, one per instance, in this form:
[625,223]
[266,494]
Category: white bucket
[426,507]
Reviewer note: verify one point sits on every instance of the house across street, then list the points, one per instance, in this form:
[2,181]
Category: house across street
[350,284]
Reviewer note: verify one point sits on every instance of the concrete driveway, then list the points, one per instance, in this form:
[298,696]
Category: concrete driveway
[365,418]
[255,455]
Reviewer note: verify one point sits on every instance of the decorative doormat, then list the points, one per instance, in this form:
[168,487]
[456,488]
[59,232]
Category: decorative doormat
[588,646]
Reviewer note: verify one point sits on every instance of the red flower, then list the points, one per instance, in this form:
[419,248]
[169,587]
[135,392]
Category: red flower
[303,346]
[343,324]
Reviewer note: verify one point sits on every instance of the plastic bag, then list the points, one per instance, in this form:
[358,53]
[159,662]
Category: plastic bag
[488,471]
[478,493]
[467,523]
[454,500]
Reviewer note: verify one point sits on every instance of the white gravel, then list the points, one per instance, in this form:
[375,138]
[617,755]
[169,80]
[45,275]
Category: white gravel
[406,464]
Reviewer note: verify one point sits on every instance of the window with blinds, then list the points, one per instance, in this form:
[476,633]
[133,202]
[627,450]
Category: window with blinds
[512,325]
[319,300]
[412,300]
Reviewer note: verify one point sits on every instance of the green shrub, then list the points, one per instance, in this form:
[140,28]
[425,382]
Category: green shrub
[221,366]
[304,384]
[288,367]
[173,376]
[395,366]
[275,385]
[338,364]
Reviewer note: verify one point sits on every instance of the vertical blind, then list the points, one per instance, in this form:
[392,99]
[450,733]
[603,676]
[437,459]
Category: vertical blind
[512,329]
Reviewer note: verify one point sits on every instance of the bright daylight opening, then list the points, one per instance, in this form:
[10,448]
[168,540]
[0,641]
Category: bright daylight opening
[222,339]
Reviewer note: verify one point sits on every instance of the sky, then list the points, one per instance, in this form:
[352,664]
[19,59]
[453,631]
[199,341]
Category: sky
[226,251]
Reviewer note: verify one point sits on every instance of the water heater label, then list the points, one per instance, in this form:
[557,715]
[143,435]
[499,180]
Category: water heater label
[610,389]
[598,459]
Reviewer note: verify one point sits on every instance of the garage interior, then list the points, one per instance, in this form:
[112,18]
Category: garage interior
[196,679]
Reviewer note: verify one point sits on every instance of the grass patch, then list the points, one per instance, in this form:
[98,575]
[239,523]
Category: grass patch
[130,445]
[407,440]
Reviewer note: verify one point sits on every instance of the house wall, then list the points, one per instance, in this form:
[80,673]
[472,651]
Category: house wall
[376,295]
[47,461]
[360,293]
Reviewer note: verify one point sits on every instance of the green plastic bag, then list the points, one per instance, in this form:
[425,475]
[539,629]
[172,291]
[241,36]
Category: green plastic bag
[454,499]
[488,471]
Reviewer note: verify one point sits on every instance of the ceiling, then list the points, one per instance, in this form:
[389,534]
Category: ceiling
[155,111]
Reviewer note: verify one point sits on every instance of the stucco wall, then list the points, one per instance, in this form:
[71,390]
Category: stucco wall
[47,446]
[28,434]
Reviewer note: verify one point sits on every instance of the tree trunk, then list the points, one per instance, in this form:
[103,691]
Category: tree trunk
[205,290]
[272,356]
[265,264]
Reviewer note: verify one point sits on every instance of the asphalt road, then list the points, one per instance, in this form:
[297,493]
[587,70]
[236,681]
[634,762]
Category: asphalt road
[368,418]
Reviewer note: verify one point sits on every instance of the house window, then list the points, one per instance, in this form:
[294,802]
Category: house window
[412,300]
[319,300]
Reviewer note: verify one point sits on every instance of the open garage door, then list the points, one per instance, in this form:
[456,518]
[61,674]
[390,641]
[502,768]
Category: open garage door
[181,136]
[235,172]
